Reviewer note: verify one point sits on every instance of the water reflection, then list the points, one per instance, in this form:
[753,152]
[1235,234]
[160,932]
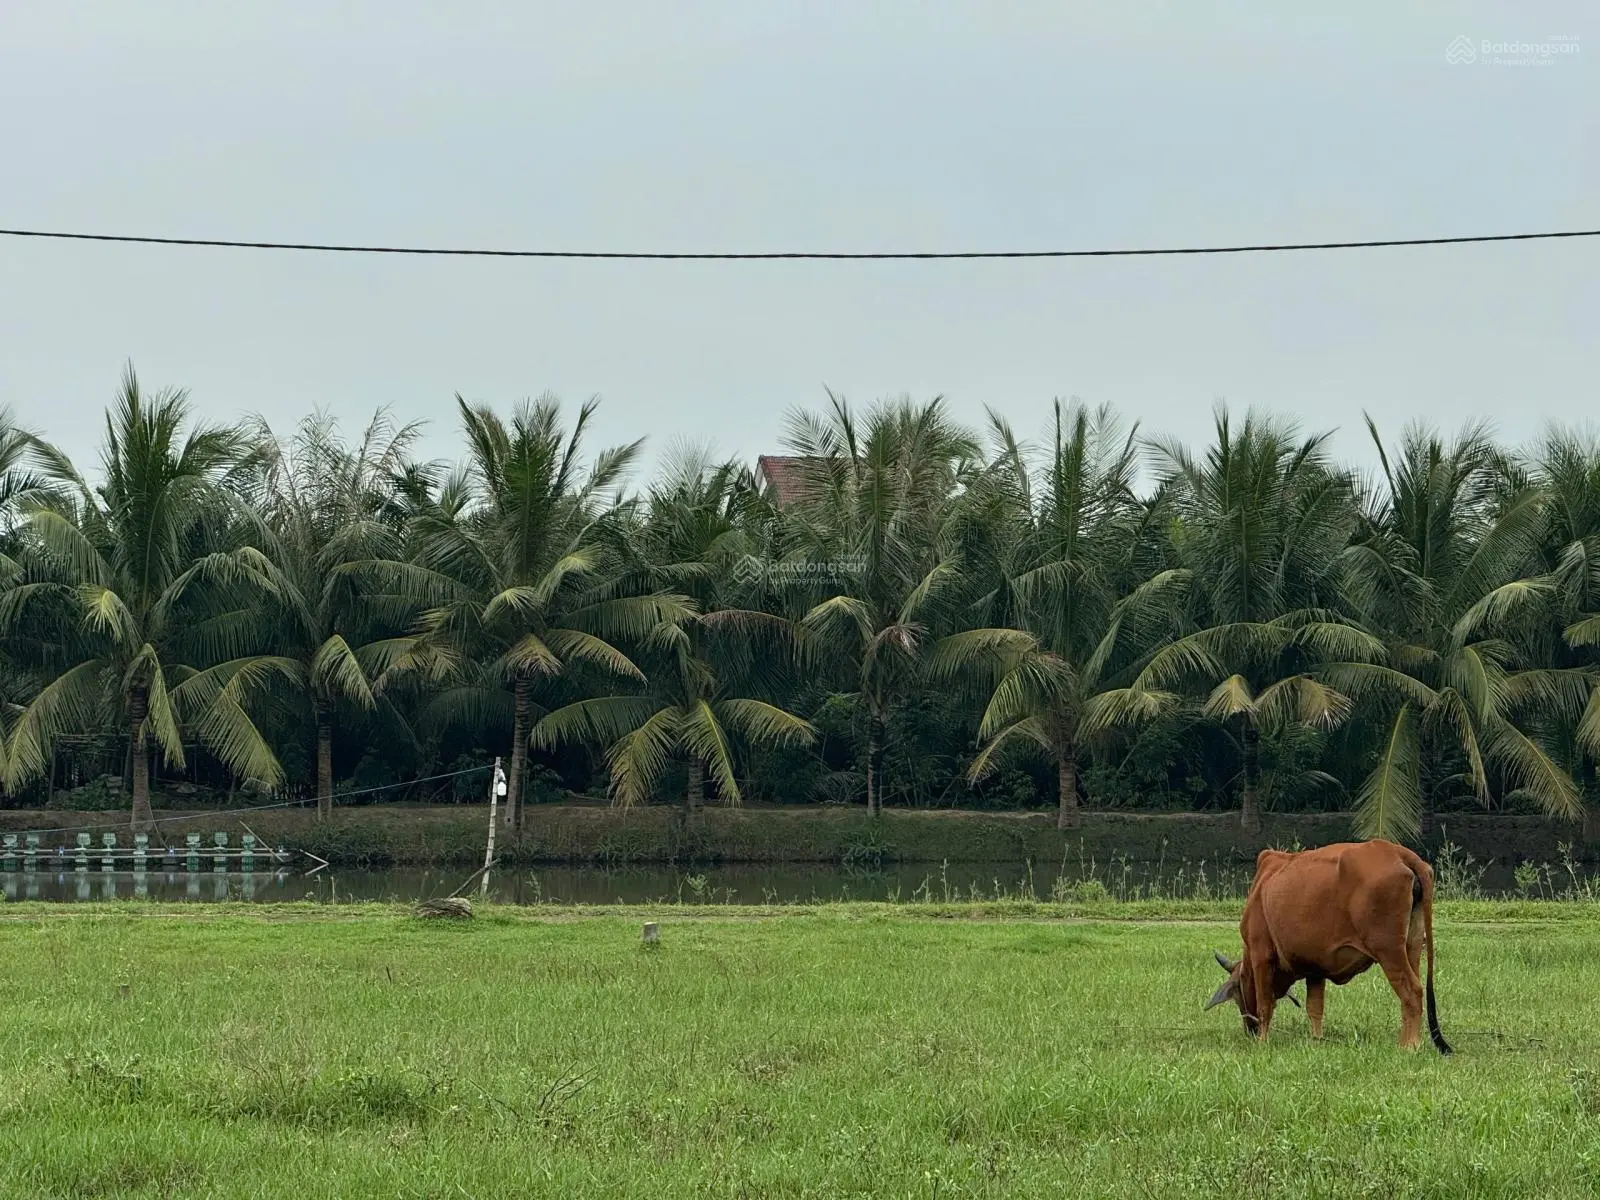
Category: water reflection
[102,884]
[747,884]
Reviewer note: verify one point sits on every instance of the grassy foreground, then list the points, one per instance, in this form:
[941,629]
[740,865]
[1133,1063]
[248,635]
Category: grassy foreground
[912,1051]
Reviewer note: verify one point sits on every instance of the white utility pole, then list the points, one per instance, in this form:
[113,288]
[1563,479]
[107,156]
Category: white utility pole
[497,788]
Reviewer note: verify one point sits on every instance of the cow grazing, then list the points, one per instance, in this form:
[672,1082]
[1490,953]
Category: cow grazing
[1329,914]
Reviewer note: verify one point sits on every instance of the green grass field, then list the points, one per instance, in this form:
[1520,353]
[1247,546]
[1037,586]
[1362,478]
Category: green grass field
[842,1051]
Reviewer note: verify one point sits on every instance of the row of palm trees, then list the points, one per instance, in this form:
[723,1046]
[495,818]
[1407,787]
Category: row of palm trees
[1052,601]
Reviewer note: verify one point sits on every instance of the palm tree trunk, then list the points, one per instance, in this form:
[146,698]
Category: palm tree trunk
[1067,784]
[1249,807]
[875,766]
[324,765]
[694,796]
[519,753]
[139,755]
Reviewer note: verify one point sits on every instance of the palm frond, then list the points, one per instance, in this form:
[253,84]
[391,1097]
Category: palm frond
[1583,633]
[1302,699]
[65,545]
[600,722]
[1363,681]
[1230,698]
[1125,708]
[1530,770]
[834,616]
[1547,692]
[1037,684]
[941,574]
[992,650]
[631,618]
[1029,729]
[573,564]
[1496,606]
[1450,712]
[162,718]
[105,613]
[527,655]
[1587,731]
[574,645]
[336,672]
[706,740]
[520,602]
[68,703]
[216,703]
[638,759]
[1389,804]
[1327,640]
[1177,662]
[764,724]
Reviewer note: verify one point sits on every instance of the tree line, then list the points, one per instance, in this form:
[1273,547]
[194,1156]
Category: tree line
[898,610]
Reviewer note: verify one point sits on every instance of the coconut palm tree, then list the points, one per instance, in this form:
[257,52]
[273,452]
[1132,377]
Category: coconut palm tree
[1566,466]
[690,540]
[512,560]
[690,532]
[1079,578]
[685,712]
[20,481]
[881,509]
[1447,570]
[20,485]
[155,600]
[1263,523]
[1560,628]
[324,505]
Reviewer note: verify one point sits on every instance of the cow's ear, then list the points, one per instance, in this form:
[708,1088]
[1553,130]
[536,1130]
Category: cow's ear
[1224,992]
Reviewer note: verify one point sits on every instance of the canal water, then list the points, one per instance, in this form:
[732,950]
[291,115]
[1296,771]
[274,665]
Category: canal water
[743,884]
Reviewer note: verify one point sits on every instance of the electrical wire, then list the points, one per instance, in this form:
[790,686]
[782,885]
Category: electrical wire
[231,812]
[336,248]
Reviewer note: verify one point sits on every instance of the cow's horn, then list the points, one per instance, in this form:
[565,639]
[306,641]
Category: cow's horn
[1222,962]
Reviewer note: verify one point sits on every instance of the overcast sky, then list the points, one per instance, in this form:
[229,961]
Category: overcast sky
[874,125]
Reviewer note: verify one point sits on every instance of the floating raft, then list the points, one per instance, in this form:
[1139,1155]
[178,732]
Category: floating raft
[26,850]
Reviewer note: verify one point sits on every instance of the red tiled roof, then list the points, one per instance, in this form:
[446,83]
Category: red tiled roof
[786,474]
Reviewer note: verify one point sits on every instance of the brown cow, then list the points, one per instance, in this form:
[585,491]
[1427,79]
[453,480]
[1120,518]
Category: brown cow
[1329,914]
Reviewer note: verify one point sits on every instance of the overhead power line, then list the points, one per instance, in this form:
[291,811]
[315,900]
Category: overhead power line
[207,814]
[787,254]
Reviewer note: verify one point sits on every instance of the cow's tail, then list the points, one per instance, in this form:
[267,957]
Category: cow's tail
[1424,895]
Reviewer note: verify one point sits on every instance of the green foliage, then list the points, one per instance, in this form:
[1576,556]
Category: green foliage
[1161,768]
[909,615]
[867,848]
[98,795]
